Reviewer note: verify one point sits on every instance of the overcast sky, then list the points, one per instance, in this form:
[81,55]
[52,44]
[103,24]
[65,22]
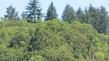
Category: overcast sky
[59,4]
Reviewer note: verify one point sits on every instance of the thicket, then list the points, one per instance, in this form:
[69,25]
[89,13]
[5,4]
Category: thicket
[81,35]
[52,40]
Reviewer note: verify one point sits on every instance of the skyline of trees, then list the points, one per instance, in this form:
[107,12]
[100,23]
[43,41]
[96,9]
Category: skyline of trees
[20,15]
[97,17]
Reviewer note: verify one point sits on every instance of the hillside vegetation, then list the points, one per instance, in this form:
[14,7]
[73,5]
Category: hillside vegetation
[52,40]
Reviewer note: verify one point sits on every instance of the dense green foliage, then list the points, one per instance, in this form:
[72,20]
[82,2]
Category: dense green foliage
[51,41]
[81,35]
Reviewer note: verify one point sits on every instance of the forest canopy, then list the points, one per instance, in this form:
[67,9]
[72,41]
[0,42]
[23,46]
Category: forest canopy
[51,40]
[79,35]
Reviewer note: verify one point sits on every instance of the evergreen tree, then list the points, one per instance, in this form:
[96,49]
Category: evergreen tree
[86,15]
[98,18]
[68,14]
[91,14]
[11,13]
[107,30]
[33,11]
[103,20]
[51,12]
[23,15]
[80,15]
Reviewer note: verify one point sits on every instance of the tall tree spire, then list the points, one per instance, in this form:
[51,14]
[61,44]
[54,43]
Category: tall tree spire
[51,12]
[33,12]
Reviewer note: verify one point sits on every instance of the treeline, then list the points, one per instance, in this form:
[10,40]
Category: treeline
[98,17]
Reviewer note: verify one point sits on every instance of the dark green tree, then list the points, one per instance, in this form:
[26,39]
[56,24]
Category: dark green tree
[51,12]
[91,14]
[80,15]
[23,15]
[68,14]
[86,15]
[11,13]
[107,30]
[103,20]
[33,12]
[98,18]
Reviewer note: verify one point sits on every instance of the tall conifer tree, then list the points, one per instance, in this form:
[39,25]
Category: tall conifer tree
[11,13]
[68,14]
[33,12]
[51,12]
